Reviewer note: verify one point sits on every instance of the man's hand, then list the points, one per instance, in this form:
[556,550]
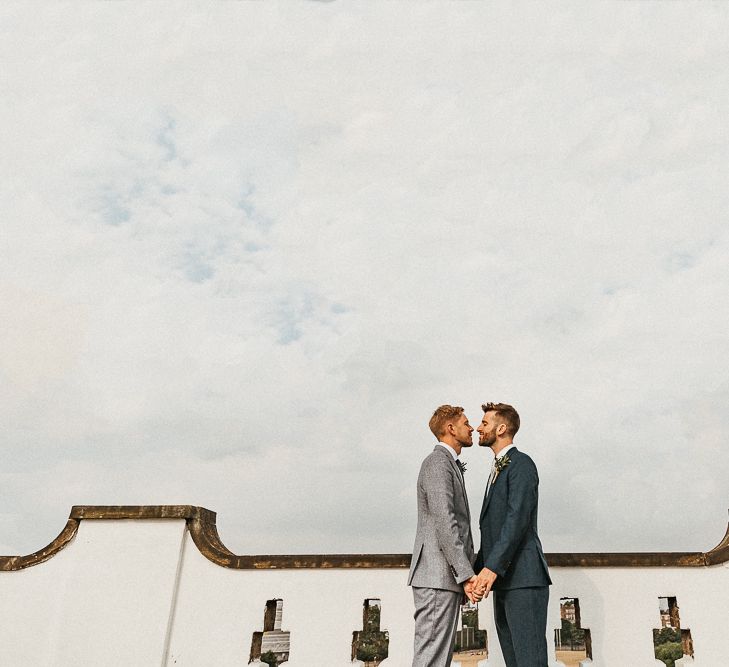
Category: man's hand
[469,587]
[484,581]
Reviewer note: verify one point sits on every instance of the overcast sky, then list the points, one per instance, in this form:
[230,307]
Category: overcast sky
[246,249]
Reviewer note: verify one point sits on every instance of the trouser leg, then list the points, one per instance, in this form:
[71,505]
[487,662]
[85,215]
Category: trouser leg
[502,628]
[525,612]
[436,620]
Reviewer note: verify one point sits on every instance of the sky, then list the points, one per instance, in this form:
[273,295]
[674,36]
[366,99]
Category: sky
[247,249]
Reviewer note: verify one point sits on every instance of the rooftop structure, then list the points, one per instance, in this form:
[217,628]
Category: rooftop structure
[155,585]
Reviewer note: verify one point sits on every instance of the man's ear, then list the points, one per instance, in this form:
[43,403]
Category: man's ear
[501,429]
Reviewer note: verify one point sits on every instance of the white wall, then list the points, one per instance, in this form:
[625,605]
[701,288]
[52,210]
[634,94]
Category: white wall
[138,593]
[104,600]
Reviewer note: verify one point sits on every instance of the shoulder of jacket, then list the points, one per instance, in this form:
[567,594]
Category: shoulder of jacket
[434,457]
[522,459]
[438,459]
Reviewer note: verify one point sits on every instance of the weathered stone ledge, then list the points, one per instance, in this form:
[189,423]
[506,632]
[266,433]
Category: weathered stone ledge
[201,523]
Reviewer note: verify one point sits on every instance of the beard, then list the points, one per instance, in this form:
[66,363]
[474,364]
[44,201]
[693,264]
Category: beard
[487,439]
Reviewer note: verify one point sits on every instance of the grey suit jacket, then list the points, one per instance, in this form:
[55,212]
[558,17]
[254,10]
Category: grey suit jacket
[443,551]
[510,545]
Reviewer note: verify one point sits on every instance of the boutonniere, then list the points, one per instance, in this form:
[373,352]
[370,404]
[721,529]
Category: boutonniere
[501,464]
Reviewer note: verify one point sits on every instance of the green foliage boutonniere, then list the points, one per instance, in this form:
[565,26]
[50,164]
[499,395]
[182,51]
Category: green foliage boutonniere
[501,464]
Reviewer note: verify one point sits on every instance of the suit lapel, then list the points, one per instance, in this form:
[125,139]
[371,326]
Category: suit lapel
[460,477]
[487,498]
[484,507]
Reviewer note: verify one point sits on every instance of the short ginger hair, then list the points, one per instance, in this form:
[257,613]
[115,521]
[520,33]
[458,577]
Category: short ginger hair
[443,415]
[506,413]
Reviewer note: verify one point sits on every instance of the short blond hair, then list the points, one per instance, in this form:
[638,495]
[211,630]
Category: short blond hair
[443,415]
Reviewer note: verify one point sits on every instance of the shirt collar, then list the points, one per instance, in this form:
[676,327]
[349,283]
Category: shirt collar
[504,451]
[450,450]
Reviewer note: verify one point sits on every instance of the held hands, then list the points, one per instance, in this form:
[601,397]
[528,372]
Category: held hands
[479,586]
[484,581]
[469,589]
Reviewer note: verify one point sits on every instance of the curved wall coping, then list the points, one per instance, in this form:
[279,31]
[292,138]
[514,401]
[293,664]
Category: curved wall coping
[201,523]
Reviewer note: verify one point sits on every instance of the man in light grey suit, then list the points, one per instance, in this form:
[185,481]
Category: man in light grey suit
[441,569]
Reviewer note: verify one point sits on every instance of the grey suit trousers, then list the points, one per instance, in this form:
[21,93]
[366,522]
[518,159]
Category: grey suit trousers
[436,621]
[520,615]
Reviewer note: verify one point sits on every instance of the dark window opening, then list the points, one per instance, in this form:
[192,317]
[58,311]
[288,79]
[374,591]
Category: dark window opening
[572,642]
[471,641]
[370,644]
[272,645]
[671,642]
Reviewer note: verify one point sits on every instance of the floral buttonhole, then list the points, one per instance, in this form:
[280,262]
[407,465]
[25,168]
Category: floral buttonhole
[501,464]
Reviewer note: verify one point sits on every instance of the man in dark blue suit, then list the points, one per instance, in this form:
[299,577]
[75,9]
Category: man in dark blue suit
[511,561]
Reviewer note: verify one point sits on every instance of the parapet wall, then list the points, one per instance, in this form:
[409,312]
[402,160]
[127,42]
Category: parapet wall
[139,586]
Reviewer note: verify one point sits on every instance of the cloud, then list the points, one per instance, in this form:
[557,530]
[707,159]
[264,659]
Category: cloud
[244,260]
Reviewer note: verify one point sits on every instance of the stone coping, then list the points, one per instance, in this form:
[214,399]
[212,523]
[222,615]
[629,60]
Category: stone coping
[203,530]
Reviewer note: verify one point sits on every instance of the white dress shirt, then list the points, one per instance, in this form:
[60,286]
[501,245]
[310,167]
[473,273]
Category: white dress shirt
[504,451]
[450,450]
[492,475]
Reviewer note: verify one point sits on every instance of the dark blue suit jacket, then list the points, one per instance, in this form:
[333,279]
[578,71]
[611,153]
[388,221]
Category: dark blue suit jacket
[510,545]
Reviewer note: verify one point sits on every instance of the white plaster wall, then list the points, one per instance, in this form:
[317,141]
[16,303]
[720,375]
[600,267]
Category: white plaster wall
[104,600]
[219,609]
[31,603]
[113,597]
[620,606]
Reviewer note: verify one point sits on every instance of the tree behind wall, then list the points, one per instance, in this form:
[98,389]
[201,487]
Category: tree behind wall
[269,657]
[667,642]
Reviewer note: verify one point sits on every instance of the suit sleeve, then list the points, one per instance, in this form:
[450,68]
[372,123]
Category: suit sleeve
[478,563]
[521,501]
[438,485]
